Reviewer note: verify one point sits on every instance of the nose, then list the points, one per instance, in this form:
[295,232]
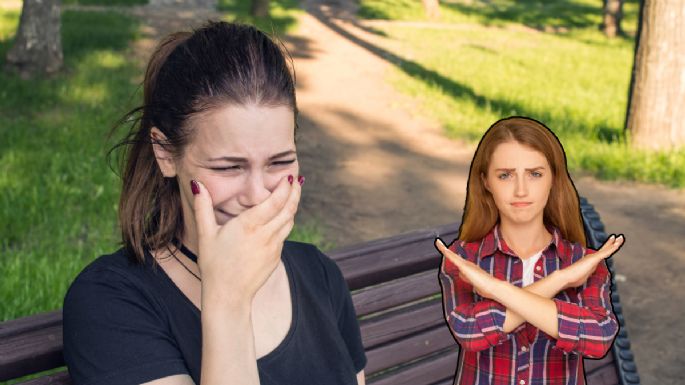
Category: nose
[255,190]
[521,187]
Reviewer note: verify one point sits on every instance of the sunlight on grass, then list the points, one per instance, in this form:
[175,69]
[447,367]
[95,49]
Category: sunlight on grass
[576,82]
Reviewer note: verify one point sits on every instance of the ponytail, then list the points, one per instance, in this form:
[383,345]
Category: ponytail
[145,220]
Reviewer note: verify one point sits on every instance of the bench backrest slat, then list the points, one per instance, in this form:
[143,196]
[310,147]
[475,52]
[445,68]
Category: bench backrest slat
[401,323]
[428,370]
[394,293]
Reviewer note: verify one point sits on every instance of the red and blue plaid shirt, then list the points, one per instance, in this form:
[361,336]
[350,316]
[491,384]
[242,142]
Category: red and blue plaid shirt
[527,355]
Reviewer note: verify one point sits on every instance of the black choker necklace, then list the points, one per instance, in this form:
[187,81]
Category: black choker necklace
[188,253]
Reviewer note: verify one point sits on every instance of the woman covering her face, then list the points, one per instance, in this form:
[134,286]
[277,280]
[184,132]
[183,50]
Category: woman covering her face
[205,289]
[523,296]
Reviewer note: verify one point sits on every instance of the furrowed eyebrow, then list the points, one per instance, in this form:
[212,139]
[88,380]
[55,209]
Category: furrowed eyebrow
[513,169]
[237,159]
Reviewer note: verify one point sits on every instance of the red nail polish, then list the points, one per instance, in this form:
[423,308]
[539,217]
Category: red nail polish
[300,180]
[194,187]
[290,179]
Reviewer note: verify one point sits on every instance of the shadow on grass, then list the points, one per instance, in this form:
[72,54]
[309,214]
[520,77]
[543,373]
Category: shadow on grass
[83,33]
[538,14]
[455,89]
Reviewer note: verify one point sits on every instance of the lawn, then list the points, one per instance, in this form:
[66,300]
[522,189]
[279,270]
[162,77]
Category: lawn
[59,199]
[485,60]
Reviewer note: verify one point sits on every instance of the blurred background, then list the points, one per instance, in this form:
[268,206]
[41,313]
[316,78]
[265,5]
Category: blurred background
[393,97]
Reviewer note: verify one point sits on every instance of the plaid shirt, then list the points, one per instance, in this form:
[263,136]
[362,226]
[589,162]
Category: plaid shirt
[527,355]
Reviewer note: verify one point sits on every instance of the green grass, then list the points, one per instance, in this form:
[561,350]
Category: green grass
[469,75]
[282,15]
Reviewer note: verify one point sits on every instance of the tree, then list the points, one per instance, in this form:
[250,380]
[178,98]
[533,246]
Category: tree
[613,12]
[432,8]
[38,46]
[656,107]
[259,8]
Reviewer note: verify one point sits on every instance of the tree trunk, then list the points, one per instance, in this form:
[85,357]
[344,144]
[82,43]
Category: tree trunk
[656,109]
[432,8]
[259,8]
[613,12]
[38,45]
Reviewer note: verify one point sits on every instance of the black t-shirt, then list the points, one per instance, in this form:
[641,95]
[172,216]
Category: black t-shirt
[127,323]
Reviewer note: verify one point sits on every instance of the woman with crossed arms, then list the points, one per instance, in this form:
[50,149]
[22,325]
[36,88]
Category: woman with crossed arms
[522,295]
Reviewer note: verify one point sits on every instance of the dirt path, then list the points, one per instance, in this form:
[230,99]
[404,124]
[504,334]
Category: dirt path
[376,168]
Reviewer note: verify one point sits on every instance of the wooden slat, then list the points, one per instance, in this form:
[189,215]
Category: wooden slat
[401,323]
[387,259]
[31,350]
[408,349]
[449,381]
[396,292]
[427,371]
[26,324]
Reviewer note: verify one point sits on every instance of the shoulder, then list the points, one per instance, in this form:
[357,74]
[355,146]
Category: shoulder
[111,279]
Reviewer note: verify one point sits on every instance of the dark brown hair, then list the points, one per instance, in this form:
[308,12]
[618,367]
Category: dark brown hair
[189,74]
[563,207]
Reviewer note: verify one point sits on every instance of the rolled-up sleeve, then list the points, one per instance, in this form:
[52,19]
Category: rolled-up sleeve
[476,325]
[589,326]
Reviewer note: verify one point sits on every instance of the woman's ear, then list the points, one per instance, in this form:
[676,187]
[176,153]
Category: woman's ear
[485,181]
[165,160]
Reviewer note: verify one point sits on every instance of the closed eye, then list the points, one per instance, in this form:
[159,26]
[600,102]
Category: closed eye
[284,162]
[229,168]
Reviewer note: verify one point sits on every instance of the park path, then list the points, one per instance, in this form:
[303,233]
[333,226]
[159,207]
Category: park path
[375,167]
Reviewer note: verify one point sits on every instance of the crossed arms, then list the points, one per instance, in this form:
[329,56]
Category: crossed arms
[587,328]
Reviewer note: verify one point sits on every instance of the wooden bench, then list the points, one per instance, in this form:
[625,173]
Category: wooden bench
[396,294]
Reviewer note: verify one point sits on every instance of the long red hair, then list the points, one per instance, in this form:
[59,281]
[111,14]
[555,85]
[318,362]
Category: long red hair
[563,206]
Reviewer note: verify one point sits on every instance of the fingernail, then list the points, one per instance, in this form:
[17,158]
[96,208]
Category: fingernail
[300,180]
[194,187]
[290,179]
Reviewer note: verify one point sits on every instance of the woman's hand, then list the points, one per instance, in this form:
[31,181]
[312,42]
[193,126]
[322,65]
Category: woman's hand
[481,280]
[235,259]
[578,273]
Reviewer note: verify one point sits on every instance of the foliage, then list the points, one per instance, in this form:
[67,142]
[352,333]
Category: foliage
[282,15]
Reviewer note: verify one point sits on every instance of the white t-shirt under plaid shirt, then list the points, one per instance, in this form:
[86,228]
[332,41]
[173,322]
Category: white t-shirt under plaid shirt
[528,266]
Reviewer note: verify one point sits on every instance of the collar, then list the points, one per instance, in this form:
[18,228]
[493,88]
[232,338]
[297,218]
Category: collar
[494,241]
